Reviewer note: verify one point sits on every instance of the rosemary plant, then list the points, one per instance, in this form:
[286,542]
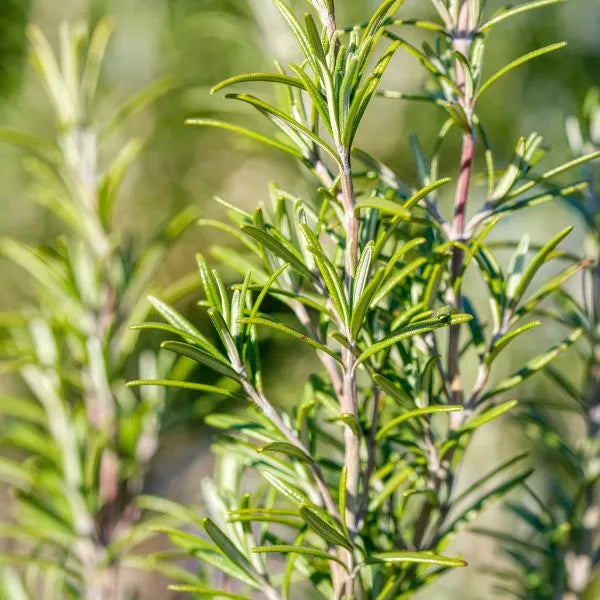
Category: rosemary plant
[77,444]
[561,557]
[350,490]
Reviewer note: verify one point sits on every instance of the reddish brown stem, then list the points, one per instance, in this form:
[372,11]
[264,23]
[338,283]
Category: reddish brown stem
[460,208]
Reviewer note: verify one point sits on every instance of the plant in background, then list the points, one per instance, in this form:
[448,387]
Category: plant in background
[351,488]
[76,448]
[561,556]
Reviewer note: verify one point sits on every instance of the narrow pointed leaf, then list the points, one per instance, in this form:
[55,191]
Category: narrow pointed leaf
[202,357]
[488,415]
[253,77]
[268,109]
[412,330]
[246,132]
[506,339]
[424,557]
[533,366]
[291,332]
[517,63]
[385,206]
[275,246]
[177,320]
[515,10]
[322,528]
[185,385]
[287,449]
[418,412]
[228,547]
[538,260]
[425,191]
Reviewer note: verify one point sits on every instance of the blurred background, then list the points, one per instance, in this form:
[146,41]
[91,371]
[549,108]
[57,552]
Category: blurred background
[200,42]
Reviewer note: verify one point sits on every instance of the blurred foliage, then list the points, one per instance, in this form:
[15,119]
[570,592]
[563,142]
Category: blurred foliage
[78,444]
[13,21]
[559,553]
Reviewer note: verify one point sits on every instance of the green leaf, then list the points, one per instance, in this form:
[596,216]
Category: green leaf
[285,448]
[517,63]
[392,390]
[300,35]
[393,279]
[157,326]
[362,272]
[278,515]
[27,409]
[278,116]
[314,38]
[305,550]
[386,10]
[228,548]
[412,330]
[533,366]
[425,191]
[567,191]
[322,528]
[428,64]
[292,333]
[225,335]
[178,321]
[342,497]
[487,415]
[290,492]
[213,362]
[15,473]
[516,268]
[549,288]
[275,246]
[315,95]
[563,382]
[538,260]
[265,289]
[333,284]
[32,143]
[506,339]
[252,77]
[418,412]
[113,177]
[506,14]
[186,385]
[246,132]
[390,487]
[416,557]
[384,206]
[365,93]
[361,307]
[580,160]
[473,249]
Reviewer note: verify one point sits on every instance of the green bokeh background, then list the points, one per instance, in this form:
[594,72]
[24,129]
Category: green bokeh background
[200,42]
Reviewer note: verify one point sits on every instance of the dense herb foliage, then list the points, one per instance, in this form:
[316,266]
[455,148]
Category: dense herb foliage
[350,488]
[560,556]
[355,486]
[79,440]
